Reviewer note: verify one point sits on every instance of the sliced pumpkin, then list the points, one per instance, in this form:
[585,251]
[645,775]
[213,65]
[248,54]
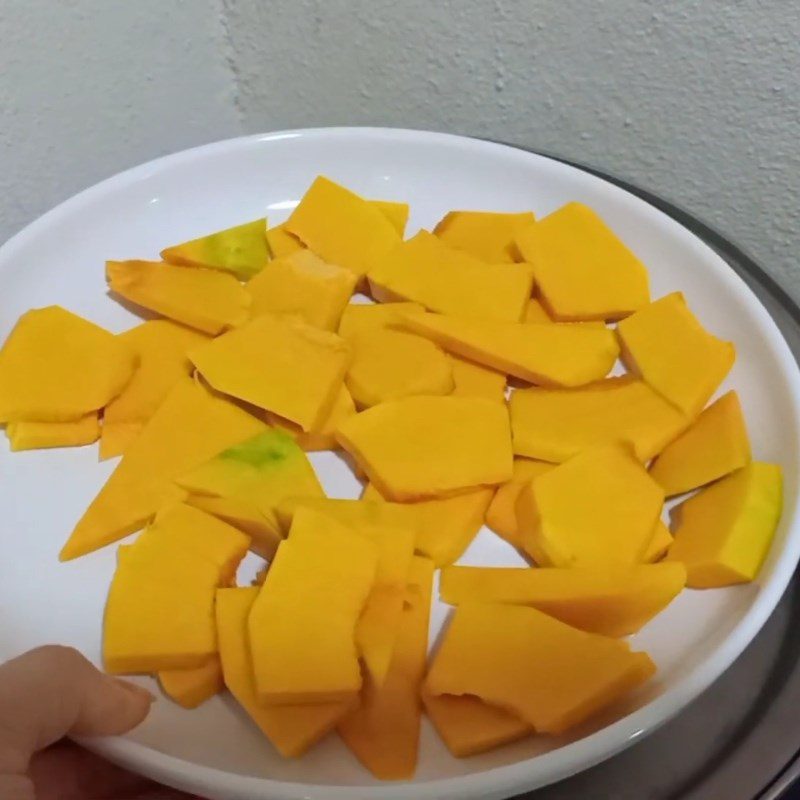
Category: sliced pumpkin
[190,688]
[160,610]
[445,526]
[56,367]
[597,509]
[613,601]
[715,445]
[724,532]
[292,729]
[469,726]
[282,243]
[264,537]
[303,621]
[360,317]
[24,435]
[259,363]
[302,283]
[161,346]
[205,299]
[258,473]
[417,447]
[324,437]
[341,227]
[189,427]
[488,235]
[475,380]
[550,355]
[659,545]
[425,270]
[389,365]
[556,424]
[666,344]
[583,270]
[501,515]
[383,729]
[201,534]
[548,674]
[241,250]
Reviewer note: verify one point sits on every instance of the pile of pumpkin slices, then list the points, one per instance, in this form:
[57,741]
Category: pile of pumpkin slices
[466,377]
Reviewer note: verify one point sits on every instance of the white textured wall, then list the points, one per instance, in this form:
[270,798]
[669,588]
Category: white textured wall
[699,100]
[91,87]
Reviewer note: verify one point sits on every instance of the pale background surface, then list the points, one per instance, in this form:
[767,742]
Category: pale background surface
[696,99]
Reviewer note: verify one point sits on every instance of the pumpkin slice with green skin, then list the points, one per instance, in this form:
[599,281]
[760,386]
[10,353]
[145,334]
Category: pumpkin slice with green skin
[189,427]
[56,367]
[259,472]
[324,438]
[241,250]
[725,530]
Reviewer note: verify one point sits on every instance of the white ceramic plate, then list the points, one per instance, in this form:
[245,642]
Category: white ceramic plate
[215,751]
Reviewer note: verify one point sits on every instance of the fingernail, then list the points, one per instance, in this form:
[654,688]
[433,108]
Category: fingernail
[137,690]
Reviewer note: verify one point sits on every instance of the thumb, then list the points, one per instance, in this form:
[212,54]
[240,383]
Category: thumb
[52,692]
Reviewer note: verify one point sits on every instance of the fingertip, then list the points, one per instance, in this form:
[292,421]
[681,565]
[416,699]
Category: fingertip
[126,706]
[112,706]
[54,690]
[136,690]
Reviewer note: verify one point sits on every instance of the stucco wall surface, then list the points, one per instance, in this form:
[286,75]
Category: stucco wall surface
[696,99]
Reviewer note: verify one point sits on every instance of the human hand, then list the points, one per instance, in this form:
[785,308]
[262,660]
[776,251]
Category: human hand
[54,692]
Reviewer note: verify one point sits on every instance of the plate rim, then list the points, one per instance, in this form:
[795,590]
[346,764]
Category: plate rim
[530,773]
